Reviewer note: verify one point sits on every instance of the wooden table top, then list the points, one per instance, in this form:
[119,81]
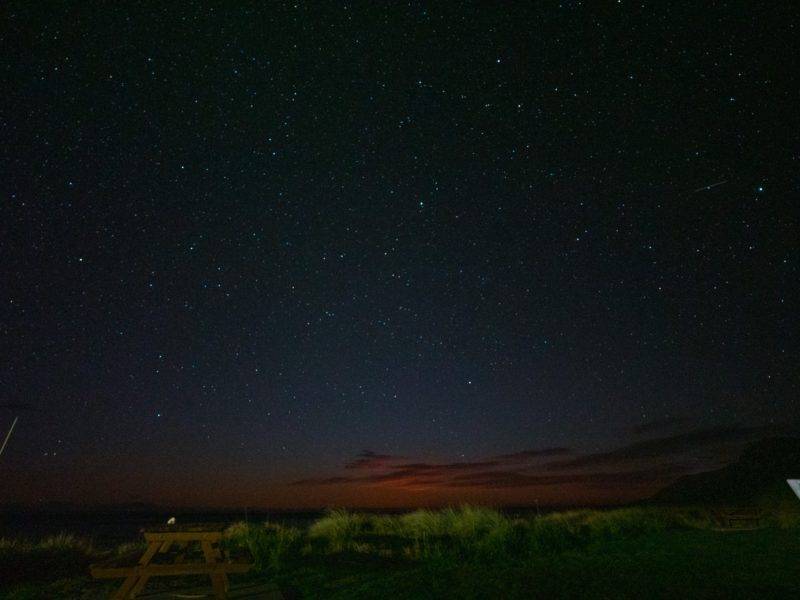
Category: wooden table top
[186,528]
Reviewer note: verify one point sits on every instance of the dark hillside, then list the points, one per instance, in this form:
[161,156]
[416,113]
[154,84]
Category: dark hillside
[757,477]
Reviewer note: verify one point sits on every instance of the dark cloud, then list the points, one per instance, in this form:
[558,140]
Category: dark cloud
[412,471]
[323,480]
[506,479]
[370,460]
[533,454]
[409,477]
[394,475]
[662,448]
[450,467]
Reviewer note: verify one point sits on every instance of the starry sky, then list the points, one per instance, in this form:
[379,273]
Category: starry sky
[393,254]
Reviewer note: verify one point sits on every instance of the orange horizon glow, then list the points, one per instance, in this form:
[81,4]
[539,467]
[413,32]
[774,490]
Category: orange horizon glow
[403,494]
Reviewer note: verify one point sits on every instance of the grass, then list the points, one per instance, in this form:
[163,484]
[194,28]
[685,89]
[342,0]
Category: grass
[56,556]
[269,544]
[480,532]
[470,552]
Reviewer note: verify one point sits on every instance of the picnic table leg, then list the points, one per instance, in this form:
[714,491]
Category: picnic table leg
[219,581]
[124,590]
[130,587]
[138,586]
[181,552]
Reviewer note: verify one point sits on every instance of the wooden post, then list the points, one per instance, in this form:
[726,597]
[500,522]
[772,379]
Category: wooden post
[219,581]
[152,548]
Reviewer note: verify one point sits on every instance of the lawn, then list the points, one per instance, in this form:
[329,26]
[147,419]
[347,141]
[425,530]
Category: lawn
[476,553]
[668,565]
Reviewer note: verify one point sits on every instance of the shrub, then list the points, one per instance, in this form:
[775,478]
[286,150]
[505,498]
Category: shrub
[462,522]
[48,559]
[269,544]
[467,532]
[475,522]
[339,528]
[137,547]
[556,533]
[422,524]
[236,532]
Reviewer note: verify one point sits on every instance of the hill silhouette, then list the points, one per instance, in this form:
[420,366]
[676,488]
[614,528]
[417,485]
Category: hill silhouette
[758,477]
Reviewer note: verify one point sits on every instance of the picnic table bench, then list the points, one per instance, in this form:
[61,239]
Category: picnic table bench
[159,541]
[739,517]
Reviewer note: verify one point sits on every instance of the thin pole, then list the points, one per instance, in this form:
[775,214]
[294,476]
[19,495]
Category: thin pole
[8,435]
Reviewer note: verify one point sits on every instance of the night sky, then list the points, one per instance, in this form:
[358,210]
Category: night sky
[391,254]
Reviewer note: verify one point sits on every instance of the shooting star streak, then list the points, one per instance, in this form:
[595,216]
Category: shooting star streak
[709,186]
[8,435]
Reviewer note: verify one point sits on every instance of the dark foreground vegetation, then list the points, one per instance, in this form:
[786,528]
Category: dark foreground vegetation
[470,553]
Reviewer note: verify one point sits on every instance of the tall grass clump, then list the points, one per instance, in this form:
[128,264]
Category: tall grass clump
[423,523]
[66,542]
[570,530]
[465,522]
[63,544]
[339,529]
[466,531]
[463,531]
[425,532]
[270,545]
[557,532]
[131,548]
[383,525]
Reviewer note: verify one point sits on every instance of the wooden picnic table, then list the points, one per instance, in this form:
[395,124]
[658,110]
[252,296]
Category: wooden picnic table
[159,541]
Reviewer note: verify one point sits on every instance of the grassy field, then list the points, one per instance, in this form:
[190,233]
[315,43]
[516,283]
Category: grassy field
[471,553]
